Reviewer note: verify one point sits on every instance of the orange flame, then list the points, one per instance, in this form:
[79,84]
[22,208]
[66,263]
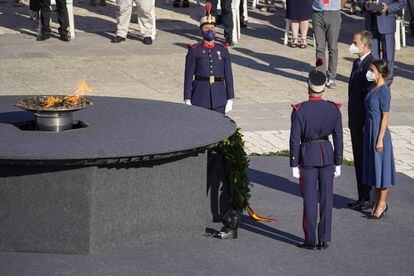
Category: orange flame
[51,101]
[83,87]
[73,99]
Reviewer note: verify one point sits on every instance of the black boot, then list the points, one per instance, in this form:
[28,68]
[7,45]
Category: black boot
[43,37]
[65,37]
[147,40]
[323,245]
[118,39]
[306,246]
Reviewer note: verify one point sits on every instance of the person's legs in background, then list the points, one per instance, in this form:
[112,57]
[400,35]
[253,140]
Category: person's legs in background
[146,20]
[388,50]
[213,11]
[243,22]
[295,33]
[319,30]
[45,20]
[333,21]
[304,26]
[123,17]
[63,19]
[227,18]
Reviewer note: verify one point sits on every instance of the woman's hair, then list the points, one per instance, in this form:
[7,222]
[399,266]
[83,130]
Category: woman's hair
[382,67]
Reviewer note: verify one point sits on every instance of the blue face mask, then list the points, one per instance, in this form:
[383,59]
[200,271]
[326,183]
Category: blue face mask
[209,35]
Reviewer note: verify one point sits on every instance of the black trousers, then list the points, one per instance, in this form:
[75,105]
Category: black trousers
[241,11]
[357,138]
[63,17]
[410,4]
[226,16]
[218,185]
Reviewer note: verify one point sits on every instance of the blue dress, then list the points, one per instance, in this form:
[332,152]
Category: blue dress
[378,168]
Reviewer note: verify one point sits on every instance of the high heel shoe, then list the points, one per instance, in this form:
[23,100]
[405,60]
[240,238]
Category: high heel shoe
[303,44]
[380,216]
[294,43]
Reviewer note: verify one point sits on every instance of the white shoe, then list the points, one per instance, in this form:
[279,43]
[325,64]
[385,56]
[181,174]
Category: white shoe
[331,84]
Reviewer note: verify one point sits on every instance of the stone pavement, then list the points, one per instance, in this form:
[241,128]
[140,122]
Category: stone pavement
[268,75]
[359,246]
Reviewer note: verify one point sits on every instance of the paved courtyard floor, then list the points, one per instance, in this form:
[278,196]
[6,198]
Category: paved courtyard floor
[359,246]
[268,75]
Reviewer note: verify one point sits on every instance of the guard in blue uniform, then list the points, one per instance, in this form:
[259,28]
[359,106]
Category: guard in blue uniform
[314,161]
[208,80]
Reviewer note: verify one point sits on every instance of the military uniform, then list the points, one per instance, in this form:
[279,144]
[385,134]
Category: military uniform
[208,80]
[310,150]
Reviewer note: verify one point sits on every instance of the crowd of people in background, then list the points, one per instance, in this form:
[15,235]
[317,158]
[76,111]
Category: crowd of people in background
[325,16]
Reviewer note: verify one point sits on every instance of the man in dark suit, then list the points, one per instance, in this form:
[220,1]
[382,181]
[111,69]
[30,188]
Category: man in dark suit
[357,90]
[382,25]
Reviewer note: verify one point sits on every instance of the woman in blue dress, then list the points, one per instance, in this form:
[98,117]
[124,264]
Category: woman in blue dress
[378,163]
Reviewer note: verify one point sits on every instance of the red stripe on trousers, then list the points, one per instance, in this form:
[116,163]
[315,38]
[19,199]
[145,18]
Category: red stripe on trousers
[303,216]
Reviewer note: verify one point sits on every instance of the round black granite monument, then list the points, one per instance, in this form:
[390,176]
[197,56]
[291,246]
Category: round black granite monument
[131,171]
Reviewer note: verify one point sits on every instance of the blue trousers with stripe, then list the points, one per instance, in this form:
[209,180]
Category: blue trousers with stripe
[316,185]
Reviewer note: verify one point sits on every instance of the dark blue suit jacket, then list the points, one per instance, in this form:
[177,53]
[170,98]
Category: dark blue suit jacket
[200,61]
[358,88]
[386,21]
[316,118]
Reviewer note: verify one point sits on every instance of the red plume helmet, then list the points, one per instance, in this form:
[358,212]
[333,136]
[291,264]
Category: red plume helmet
[208,8]
[319,62]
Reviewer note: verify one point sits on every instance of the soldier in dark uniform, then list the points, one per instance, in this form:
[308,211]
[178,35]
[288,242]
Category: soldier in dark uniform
[314,161]
[208,80]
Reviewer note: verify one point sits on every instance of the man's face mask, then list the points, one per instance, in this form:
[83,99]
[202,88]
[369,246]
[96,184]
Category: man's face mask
[354,49]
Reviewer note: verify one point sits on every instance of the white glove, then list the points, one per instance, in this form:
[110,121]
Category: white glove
[229,106]
[337,171]
[187,102]
[295,172]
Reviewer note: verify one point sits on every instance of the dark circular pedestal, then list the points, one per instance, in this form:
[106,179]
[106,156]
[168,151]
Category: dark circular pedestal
[135,172]
[117,128]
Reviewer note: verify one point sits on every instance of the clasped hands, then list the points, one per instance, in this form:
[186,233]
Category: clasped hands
[384,5]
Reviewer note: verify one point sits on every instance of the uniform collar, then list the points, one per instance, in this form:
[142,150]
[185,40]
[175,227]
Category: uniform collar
[315,98]
[209,46]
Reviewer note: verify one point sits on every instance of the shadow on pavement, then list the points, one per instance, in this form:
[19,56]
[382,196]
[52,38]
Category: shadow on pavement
[285,185]
[259,228]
